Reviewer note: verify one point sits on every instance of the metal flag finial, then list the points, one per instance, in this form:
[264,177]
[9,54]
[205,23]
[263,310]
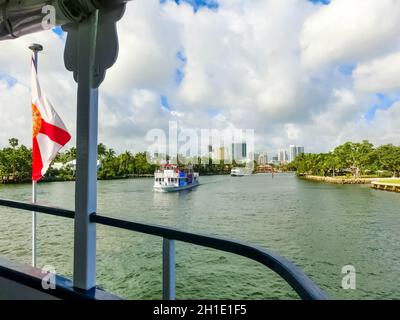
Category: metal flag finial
[35,47]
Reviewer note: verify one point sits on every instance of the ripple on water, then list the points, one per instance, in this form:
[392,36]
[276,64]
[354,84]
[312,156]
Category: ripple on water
[319,227]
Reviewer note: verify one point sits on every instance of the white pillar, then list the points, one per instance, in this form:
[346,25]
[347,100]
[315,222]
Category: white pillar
[86,166]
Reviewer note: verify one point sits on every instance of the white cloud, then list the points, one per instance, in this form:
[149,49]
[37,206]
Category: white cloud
[387,126]
[15,113]
[379,75]
[292,131]
[350,31]
[269,65]
[149,39]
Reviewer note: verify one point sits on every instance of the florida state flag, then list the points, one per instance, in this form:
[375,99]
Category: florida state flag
[49,131]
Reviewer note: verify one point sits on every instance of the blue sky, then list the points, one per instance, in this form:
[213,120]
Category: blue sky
[347,69]
[9,79]
[197,4]
[213,4]
[164,102]
[180,72]
[384,102]
[321,1]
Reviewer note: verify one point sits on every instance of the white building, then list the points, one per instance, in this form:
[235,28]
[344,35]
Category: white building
[70,165]
[283,156]
[262,159]
[239,152]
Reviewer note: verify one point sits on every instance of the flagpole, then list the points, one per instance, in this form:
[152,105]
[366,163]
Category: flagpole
[34,185]
[35,48]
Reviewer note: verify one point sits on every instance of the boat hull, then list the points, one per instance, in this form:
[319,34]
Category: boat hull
[241,172]
[165,189]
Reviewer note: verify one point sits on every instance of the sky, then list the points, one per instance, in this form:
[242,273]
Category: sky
[313,73]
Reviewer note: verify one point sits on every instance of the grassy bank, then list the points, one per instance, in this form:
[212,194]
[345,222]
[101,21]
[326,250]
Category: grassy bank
[391,181]
[340,179]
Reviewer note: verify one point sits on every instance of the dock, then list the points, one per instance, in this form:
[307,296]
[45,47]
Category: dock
[386,186]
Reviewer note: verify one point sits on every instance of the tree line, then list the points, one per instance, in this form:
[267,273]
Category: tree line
[112,166]
[16,164]
[351,158]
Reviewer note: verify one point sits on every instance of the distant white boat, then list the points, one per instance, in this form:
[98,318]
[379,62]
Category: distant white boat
[171,179]
[241,172]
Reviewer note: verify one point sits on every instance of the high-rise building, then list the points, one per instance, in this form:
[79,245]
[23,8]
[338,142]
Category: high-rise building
[294,151]
[239,151]
[256,155]
[219,154]
[262,159]
[282,156]
[275,159]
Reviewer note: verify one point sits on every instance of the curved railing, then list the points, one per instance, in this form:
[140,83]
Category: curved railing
[296,278]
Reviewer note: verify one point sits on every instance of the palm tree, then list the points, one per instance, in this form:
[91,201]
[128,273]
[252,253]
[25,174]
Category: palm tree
[101,150]
[13,142]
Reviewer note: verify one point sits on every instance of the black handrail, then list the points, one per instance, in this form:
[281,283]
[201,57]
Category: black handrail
[296,278]
[37,208]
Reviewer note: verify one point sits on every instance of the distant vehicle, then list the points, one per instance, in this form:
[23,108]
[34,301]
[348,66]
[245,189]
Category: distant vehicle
[170,178]
[241,172]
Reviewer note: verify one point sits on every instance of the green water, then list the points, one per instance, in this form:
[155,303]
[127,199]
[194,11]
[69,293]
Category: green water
[319,227]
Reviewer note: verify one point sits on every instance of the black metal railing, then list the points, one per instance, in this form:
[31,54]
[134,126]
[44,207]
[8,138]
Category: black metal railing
[296,278]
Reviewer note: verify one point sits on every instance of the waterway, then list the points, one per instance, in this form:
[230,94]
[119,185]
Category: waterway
[320,227]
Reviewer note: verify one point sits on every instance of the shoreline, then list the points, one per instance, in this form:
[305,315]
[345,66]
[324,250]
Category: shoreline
[338,180]
[375,183]
[386,186]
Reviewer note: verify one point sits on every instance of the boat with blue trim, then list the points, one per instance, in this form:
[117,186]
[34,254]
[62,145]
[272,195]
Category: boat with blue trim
[171,178]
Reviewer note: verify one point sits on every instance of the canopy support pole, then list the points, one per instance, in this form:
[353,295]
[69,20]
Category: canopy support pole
[86,165]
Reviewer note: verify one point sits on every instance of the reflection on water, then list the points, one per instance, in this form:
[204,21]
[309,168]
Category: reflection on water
[319,227]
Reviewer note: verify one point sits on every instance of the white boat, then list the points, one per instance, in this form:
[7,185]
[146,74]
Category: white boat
[170,178]
[240,172]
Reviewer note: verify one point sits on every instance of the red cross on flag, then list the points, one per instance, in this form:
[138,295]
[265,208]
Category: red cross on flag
[49,131]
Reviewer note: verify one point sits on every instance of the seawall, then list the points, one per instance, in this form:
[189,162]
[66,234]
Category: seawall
[339,180]
[386,186]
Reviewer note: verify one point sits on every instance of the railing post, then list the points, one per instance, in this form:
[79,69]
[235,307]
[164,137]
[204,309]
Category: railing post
[168,269]
[86,166]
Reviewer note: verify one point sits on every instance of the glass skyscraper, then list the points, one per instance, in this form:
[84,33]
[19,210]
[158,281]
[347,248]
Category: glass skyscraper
[294,151]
